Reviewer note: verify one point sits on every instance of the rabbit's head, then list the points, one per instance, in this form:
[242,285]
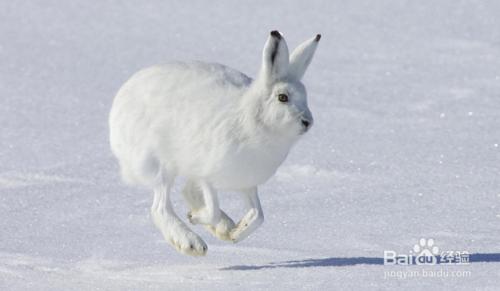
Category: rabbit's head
[282,105]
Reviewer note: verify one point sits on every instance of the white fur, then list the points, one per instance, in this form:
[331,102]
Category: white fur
[214,126]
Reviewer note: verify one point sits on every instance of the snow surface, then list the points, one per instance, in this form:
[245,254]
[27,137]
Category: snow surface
[406,144]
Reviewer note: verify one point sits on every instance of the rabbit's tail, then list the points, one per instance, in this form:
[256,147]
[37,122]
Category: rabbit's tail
[140,171]
[128,175]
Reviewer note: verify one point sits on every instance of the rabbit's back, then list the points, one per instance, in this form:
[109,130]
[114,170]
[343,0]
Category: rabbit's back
[174,116]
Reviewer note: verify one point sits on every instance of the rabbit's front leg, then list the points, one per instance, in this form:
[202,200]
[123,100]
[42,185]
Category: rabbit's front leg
[210,213]
[252,220]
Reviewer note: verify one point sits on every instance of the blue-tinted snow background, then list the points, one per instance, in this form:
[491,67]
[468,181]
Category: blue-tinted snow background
[406,144]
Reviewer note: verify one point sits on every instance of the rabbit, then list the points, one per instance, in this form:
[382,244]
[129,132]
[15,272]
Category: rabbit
[217,128]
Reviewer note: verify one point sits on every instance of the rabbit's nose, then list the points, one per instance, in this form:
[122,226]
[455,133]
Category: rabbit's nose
[306,123]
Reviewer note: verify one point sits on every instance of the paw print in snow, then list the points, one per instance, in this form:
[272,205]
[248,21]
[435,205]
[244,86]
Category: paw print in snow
[426,248]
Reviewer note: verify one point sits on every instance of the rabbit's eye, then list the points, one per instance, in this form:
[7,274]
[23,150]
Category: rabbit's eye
[283,98]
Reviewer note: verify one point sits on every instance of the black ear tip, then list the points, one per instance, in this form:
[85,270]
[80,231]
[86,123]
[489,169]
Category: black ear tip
[318,37]
[276,34]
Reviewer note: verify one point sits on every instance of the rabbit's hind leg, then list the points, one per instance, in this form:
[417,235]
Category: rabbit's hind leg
[173,229]
[194,197]
[252,220]
[210,212]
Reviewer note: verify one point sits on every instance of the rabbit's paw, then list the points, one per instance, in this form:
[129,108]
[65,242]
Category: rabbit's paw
[204,216]
[223,228]
[187,242]
[251,221]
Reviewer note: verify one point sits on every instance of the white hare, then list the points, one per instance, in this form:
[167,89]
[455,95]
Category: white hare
[216,127]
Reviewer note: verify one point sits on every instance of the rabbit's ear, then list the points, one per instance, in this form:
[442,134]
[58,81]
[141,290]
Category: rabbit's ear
[301,57]
[274,58]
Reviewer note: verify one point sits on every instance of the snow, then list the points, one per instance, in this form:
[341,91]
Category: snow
[405,96]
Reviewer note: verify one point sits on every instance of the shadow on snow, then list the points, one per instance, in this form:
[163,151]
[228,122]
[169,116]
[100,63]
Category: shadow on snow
[339,262]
